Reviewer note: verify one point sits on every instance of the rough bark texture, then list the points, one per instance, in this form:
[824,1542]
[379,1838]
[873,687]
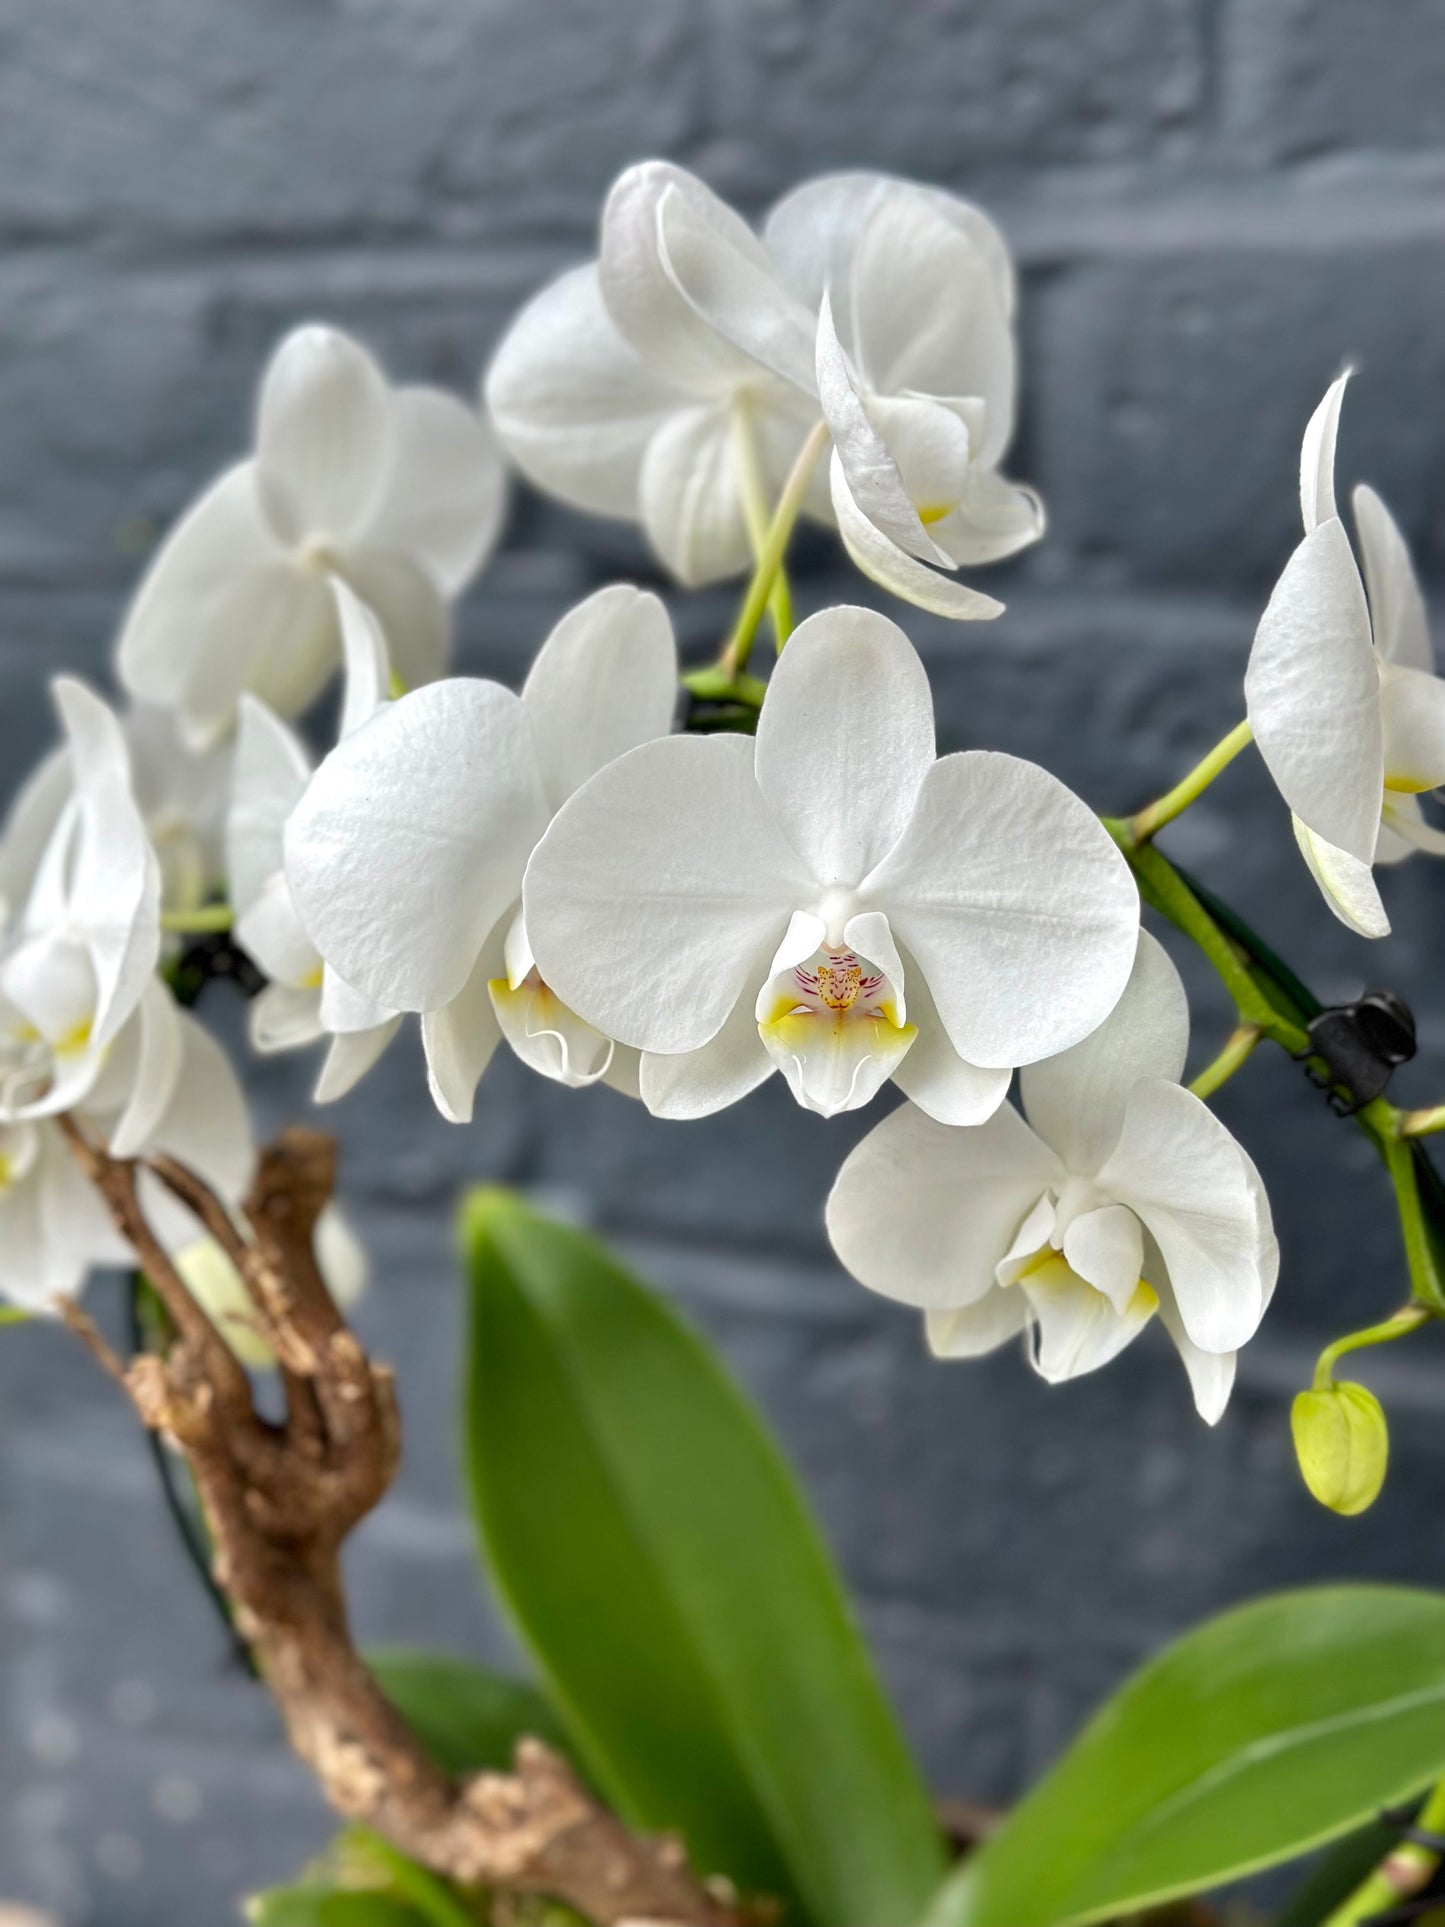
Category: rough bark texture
[281,1498]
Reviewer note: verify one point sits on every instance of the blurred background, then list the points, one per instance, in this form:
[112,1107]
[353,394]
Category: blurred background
[1215,203]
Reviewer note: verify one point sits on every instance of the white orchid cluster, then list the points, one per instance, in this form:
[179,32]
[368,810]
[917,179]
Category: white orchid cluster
[682,914]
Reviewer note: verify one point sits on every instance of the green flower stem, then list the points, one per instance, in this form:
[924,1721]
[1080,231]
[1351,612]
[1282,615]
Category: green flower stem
[1425,1279]
[1410,1318]
[753,491]
[1403,1873]
[208,919]
[1270,999]
[739,645]
[1422,1123]
[1149,821]
[1161,885]
[1237,1048]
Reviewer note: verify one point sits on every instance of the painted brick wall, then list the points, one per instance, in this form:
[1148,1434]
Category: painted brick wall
[1215,203]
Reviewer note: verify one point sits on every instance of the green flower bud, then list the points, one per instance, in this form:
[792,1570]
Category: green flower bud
[1343,1445]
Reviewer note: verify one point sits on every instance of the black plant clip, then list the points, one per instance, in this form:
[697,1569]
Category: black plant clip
[1360,1046]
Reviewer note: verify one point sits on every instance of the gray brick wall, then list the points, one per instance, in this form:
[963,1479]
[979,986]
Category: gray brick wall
[1215,203]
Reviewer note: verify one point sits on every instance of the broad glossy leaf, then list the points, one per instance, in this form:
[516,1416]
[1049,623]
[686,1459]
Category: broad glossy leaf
[465,1716]
[1259,1735]
[661,1564]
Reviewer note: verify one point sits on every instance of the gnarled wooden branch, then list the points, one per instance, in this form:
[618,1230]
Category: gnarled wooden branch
[280,1499]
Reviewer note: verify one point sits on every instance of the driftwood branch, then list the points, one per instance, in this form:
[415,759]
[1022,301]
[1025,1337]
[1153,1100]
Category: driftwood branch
[280,1499]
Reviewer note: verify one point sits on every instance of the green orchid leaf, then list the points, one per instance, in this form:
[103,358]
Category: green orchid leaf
[317,1907]
[661,1565]
[1260,1735]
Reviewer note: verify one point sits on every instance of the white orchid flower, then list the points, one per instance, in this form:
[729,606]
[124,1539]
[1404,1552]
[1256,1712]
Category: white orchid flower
[916,367]
[406,854]
[79,956]
[665,381]
[1122,1196]
[305,999]
[166,1087]
[399,491]
[1342,695]
[832,899]
[182,796]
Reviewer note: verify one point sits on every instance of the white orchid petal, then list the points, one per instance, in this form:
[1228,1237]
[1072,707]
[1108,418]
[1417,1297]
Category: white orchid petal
[1317,458]
[115,883]
[574,403]
[345,1009]
[446,489]
[1106,1248]
[643,297]
[1014,903]
[972,1331]
[325,437]
[284,1017]
[517,959]
[1412,714]
[1075,1101]
[804,936]
[273,632]
[691,1084]
[411,840]
[460,1038]
[734,289]
[1397,608]
[221,538]
[1211,1374]
[271,931]
[1078,1329]
[416,623]
[156,1069]
[351,1056]
[845,740]
[270,773]
[992,518]
[650,897]
[922,1213]
[1348,886]
[205,1125]
[871,470]
[364,655]
[928,311]
[1178,1168]
[604,681]
[1313,693]
[883,562]
[340,1256]
[547,1036]
[835,1063]
[29,827]
[1403,821]
[813,231]
[938,1080]
[690,498]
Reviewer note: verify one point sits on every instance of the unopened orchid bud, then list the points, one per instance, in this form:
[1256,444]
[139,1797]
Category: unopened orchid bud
[1343,1445]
